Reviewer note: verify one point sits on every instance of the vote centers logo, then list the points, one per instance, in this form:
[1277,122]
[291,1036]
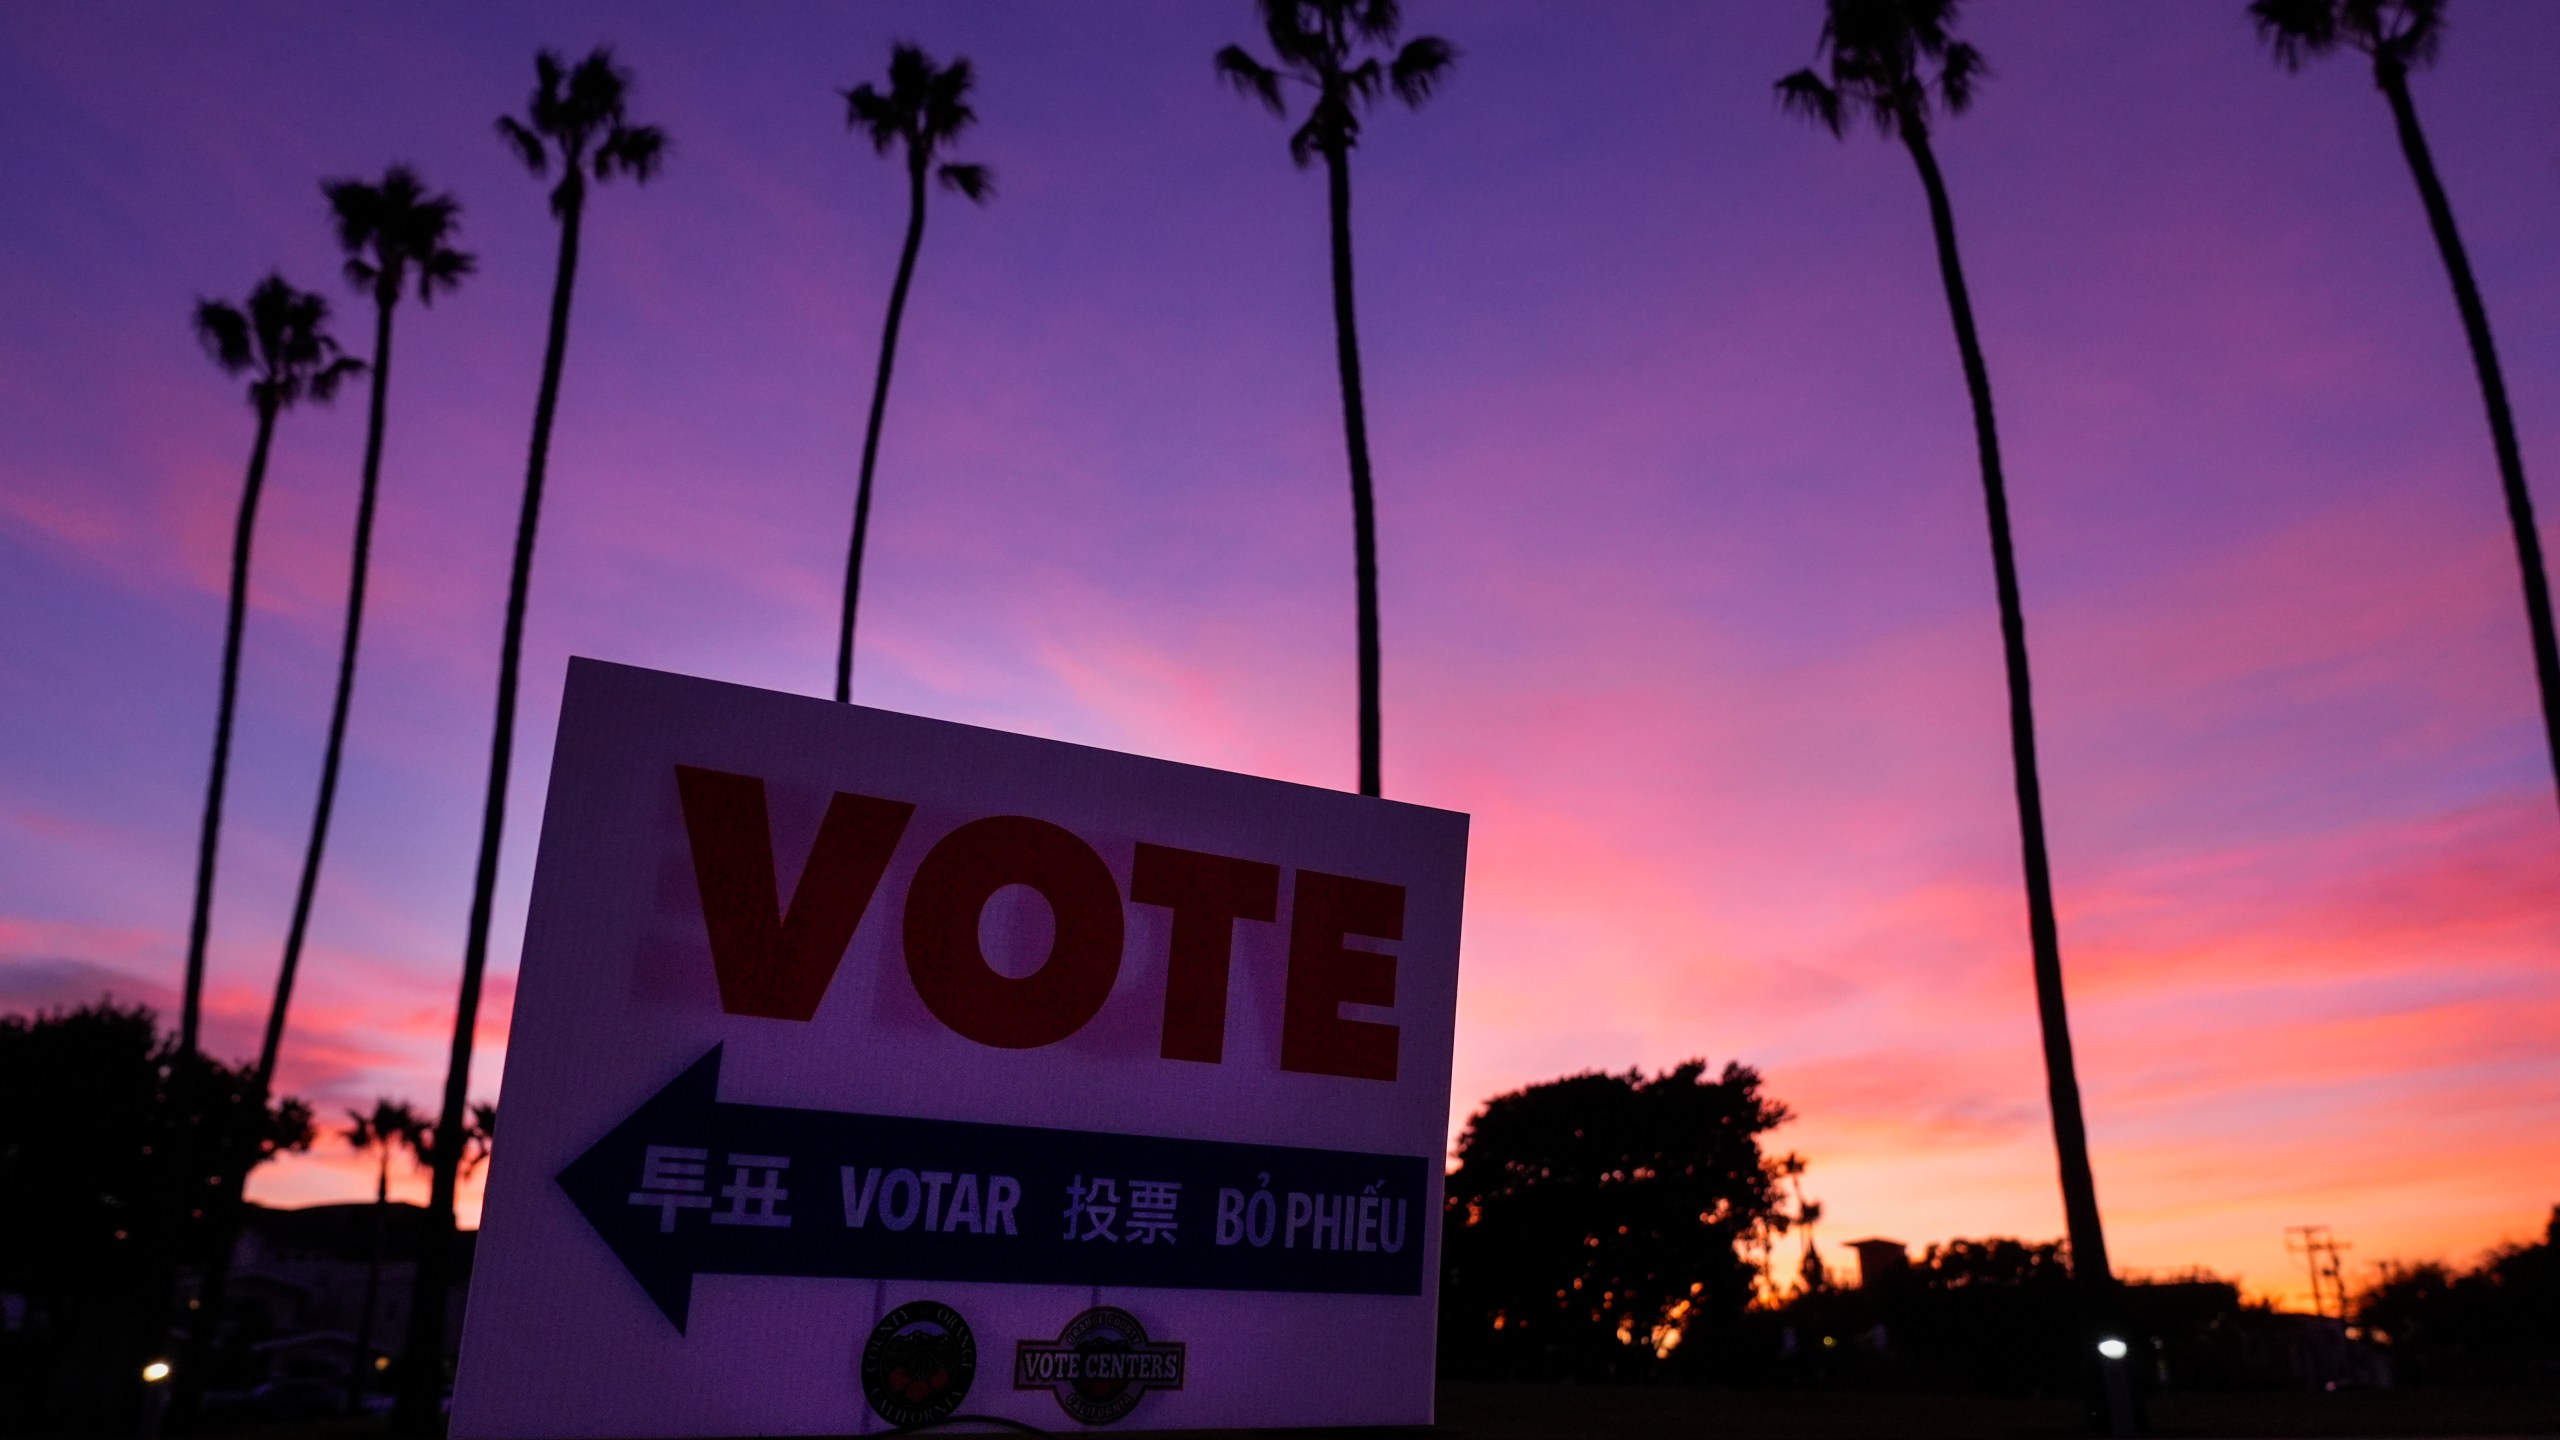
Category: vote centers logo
[1101,1365]
[918,1363]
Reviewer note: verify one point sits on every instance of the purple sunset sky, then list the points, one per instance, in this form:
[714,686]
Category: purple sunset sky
[1686,592]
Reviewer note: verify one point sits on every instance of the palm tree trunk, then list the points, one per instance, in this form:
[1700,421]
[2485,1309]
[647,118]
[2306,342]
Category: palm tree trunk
[200,925]
[421,1387]
[347,648]
[372,1283]
[1355,430]
[2089,1268]
[206,1318]
[2394,80]
[871,435]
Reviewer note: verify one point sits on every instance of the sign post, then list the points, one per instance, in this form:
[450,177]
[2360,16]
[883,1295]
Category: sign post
[868,1070]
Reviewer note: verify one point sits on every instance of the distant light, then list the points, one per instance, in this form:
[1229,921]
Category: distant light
[381,1362]
[2112,1348]
[155,1372]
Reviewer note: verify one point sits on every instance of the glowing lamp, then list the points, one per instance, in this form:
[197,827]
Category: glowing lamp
[2112,1348]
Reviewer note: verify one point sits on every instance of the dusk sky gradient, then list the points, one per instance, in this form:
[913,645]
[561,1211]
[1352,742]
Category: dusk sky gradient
[1685,587]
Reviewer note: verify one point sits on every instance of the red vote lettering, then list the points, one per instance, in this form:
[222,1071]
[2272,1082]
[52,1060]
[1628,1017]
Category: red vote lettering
[1324,973]
[776,962]
[1208,894]
[951,974]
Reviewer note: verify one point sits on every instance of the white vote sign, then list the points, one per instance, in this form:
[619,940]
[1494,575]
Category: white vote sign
[869,1069]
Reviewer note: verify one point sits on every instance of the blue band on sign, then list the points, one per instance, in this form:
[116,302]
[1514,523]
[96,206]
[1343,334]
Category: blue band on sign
[692,1186]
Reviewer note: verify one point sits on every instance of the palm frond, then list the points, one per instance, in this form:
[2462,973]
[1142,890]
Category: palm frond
[1420,66]
[579,112]
[2296,30]
[946,110]
[1296,33]
[869,111]
[1804,93]
[547,106]
[353,209]
[548,71]
[528,147]
[1889,61]
[910,70]
[1363,81]
[1306,142]
[324,382]
[1959,70]
[975,181]
[282,333]
[596,91]
[442,270]
[1251,78]
[2413,41]
[926,105]
[1377,20]
[1318,44]
[634,150]
[224,333]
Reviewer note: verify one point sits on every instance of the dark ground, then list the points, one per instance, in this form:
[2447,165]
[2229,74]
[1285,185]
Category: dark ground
[1537,1412]
[1487,1411]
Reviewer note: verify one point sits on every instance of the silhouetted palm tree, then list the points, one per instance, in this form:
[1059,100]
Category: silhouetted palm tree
[482,1135]
[393,1125]
[925,108]
[2398,36]
[1893,63]
[282,337]
[397,236]
[1320,44]
[576,125]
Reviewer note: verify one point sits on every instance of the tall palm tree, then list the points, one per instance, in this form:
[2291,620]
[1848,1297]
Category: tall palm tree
[1323,45]
[282,336]
[393,1125]
[1896,63]
[577,125]
[2398,36]
[925,108]
[398,236]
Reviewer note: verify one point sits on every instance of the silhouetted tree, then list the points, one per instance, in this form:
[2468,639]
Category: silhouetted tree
[282,339]
[1894,63]
[397,236]
[102,1123]
[2497,1322]
[393,1125]
[576,124]
[1995,1315]
[925,108]
[1320,44]
[2398,36]
[1595,1221]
